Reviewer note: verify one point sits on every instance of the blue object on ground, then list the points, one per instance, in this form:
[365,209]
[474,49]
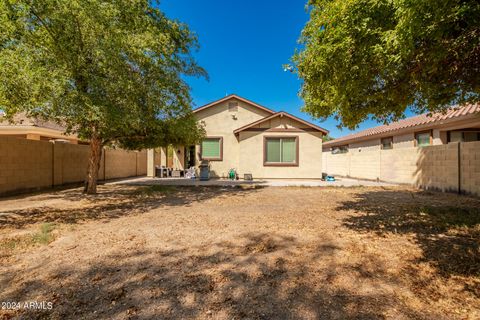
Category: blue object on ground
[330,178]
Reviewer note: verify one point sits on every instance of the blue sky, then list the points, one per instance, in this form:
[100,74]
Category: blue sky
[243,45]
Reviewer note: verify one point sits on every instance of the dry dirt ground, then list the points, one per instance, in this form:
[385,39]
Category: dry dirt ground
[241,253]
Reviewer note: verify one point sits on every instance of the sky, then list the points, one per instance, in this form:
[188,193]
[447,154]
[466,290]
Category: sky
[243,46]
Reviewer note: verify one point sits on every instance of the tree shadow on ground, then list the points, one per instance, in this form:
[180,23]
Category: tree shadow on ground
[257,276]
[445,226]
[113,202]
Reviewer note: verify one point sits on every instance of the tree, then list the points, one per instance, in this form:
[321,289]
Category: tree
[327,138]
[110,71]
[363,58]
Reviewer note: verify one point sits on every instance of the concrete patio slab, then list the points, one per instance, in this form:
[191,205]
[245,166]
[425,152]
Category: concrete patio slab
[340,182]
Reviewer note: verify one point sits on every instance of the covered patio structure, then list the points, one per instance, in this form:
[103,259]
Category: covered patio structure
[173,159]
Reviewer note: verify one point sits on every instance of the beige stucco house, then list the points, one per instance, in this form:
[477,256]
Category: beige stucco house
[253,139]
[459,124]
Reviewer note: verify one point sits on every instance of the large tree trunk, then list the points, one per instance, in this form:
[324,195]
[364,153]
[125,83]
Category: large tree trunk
[93,166]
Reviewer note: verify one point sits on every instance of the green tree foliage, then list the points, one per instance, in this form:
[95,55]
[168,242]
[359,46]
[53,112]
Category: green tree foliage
[363,58]
[109,71]
[327,138]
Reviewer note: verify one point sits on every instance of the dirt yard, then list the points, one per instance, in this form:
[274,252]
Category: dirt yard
[240,253]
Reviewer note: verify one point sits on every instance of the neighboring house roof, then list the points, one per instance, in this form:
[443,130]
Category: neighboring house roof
[281,114]
[455,113]
[22,120]
[233,96]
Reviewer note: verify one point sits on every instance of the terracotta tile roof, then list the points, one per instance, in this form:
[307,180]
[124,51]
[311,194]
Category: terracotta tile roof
[22,120]
[420,120]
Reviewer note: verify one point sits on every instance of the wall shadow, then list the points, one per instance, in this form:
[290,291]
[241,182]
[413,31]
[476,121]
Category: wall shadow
[256,276]
[437,168]
[446,227]
[113,202]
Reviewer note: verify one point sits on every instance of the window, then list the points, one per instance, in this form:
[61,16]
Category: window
[339,149]
[233,106]
[423,139]
[212,149]
[456,136]
[471,136]
[464,135]
[387,143]
[280,151]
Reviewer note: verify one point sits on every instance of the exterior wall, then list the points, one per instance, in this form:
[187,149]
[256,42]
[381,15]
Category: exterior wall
[162,156]
[309,160]
[218,121]
[338,164]
[366,145]
[281,123]
[33,136]
[31,164]
[357,164]
[155,157]
[470,167]
[437,167]
[120,163]
[141,163]
[398,165]
[436,139]
[179,158]
[432,167]
[70,163]
[25,164]
[151,159]
[404,140]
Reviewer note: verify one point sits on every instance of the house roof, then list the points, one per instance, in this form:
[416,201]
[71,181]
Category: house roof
[425,119]
[281,114]
[233,96]
[21,119]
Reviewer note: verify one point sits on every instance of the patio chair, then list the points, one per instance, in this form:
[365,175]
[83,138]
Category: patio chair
[190,173]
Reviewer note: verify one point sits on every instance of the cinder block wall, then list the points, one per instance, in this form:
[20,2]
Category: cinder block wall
[25,164]
[120,163]
[32,164]
[358,168]
[433,167]
[338,164]
[70,163]
[470,167]
[437,167]
[398,165]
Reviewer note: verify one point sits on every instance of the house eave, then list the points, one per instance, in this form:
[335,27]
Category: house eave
[281,114]
[233,96]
